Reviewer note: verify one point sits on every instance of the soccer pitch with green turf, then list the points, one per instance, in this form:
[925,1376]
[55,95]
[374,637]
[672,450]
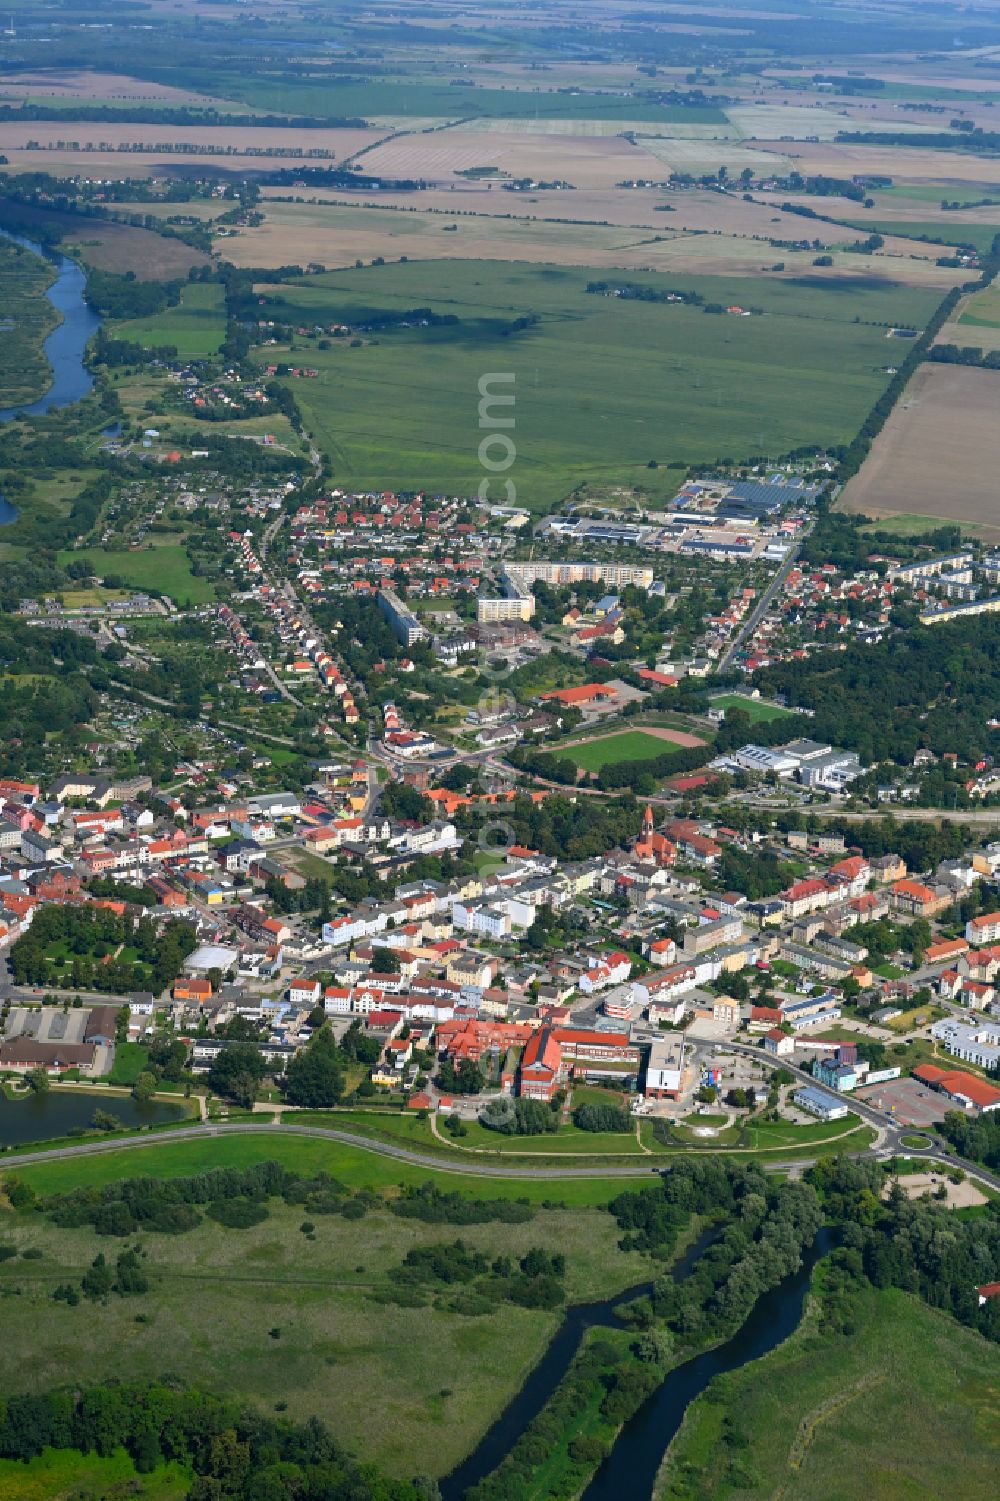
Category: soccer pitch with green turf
[629,745]
[757,711]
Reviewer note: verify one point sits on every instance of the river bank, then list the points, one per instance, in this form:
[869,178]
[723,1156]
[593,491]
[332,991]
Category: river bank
[36,1117]
[64,347]
[546,1376]
[569,1409]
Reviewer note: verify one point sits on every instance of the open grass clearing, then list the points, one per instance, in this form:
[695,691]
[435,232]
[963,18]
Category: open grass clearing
[361,1365]
[67,1475]
[567,1140]
[195,327]
[353,1165]
[164,570]
[903,524]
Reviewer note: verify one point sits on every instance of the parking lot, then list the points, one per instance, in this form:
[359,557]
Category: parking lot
[915,1104]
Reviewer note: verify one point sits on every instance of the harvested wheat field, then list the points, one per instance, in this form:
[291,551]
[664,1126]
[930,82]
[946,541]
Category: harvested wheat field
[587,129]
[92,87]
[939,452]
[595,162]
[336,235]
[904,164]
[671,214]
[801,122]
[708,156]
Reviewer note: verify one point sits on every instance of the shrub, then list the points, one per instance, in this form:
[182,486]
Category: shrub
[237,1214]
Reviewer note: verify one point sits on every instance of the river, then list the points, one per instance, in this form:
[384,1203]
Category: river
[631,1467]
[64,348]
[544,1377]
[57,1112]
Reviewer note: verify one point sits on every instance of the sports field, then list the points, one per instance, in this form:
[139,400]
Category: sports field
[603,385]
[758,710]
[195,327]
[626,745]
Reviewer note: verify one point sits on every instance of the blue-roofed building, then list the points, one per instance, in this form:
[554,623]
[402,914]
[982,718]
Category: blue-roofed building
[819,1103]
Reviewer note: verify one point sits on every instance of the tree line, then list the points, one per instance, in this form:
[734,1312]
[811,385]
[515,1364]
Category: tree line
[236,1453]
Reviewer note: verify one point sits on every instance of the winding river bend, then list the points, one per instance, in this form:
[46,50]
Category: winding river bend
[631,1467]
[64,348]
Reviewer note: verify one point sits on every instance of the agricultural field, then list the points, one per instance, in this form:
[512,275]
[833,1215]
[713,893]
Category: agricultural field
[91,86]
[773,122]
[982,309]
[626,745]
[222,141]
[709,156]
[724,238]
[937,452]
[195,327]
[26,318]
[944,231]
[106,245]
[604,385]
[896,1408]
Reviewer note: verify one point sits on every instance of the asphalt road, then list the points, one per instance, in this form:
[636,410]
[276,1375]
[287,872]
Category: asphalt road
[490,1169]
[638,1167]
[763,604]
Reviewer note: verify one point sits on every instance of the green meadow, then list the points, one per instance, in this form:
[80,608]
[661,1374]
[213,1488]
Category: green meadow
[266,1313]
[195,327]
[905,1405]
[607,391]
[165,570]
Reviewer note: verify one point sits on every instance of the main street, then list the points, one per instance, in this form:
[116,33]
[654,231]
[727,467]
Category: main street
[762,606]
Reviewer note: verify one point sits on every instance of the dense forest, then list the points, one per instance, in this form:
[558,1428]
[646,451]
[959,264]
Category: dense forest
[936,687]
[236,1454]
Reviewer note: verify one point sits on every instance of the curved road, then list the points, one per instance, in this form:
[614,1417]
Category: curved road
[638,1168]
[326,1133]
